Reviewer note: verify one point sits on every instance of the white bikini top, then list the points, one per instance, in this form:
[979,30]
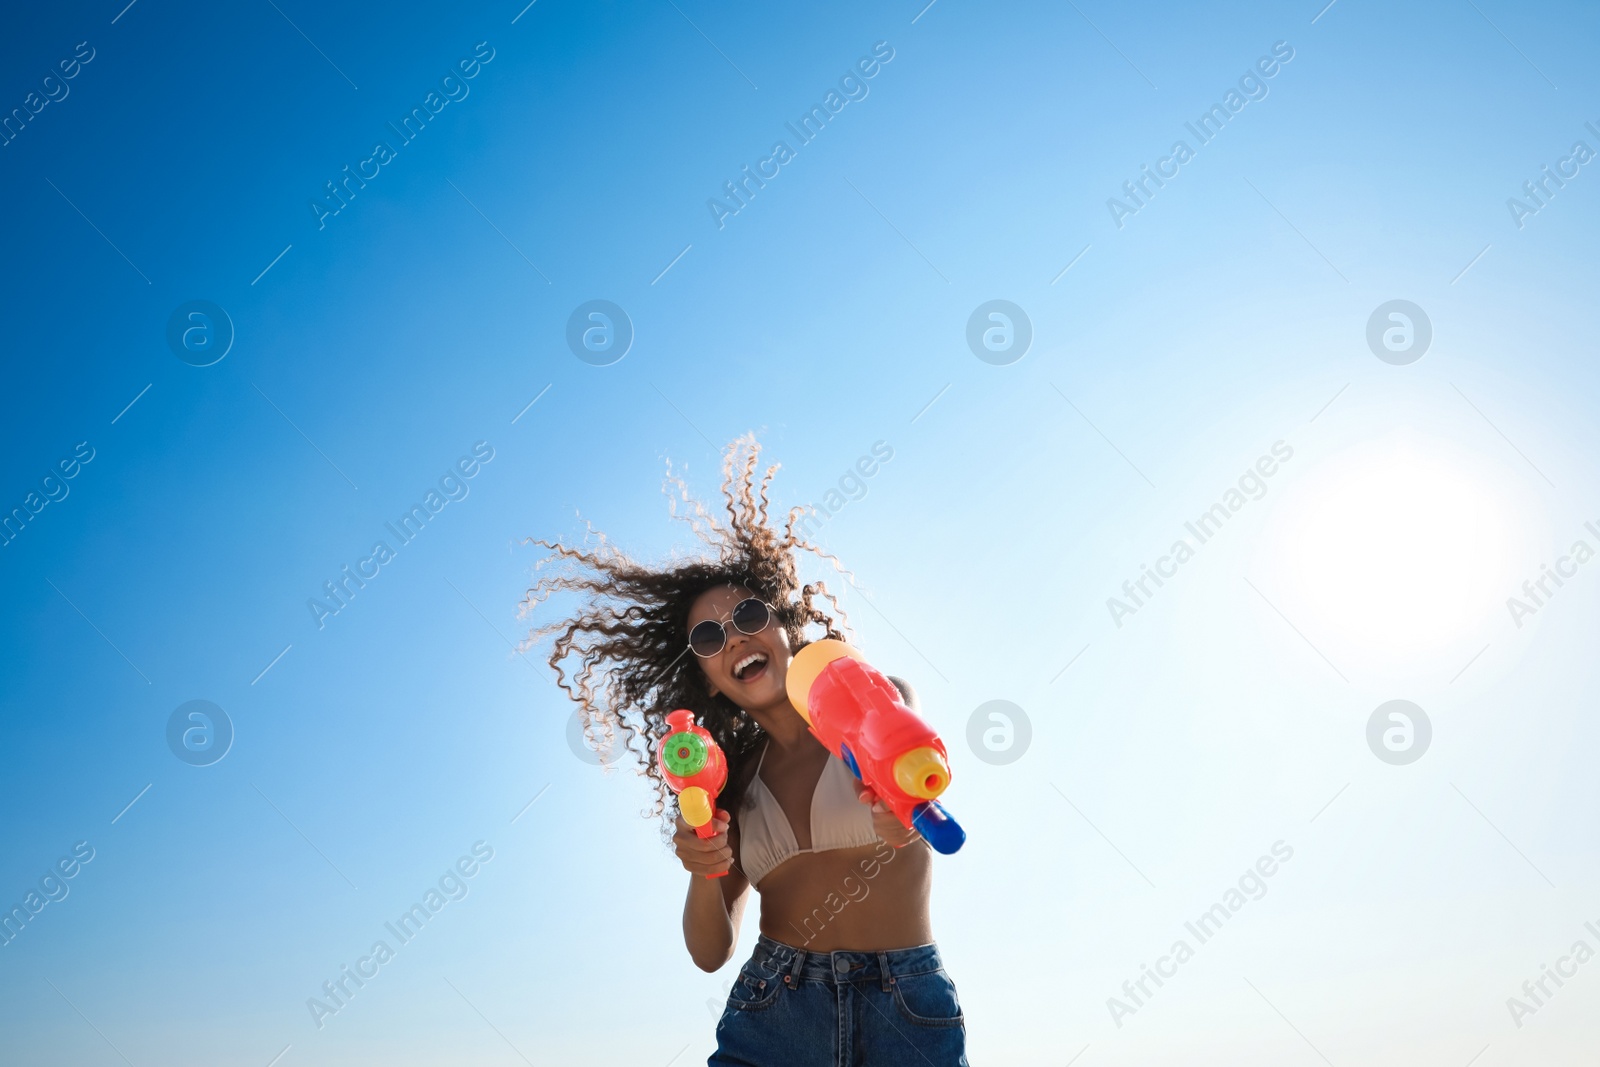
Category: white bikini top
[838,820]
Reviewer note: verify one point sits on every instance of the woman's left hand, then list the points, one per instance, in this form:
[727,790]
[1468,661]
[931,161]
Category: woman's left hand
[884,822]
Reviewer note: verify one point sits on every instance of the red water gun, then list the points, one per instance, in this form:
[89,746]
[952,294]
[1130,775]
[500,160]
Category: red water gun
[694,767]
[859,716]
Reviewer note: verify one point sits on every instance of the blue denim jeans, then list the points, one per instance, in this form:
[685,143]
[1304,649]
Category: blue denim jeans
[793,1008]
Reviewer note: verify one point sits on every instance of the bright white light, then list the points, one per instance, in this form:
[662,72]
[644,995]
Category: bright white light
[1395,549]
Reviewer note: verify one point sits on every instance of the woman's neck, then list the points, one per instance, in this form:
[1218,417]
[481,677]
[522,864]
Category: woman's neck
[784,725]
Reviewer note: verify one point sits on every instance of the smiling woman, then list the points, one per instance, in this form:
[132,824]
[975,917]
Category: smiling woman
[638,617]
[716,636]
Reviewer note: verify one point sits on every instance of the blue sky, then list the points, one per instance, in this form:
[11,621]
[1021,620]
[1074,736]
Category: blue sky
[429,316]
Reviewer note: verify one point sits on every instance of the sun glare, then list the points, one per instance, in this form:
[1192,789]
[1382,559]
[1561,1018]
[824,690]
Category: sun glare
[1395,549]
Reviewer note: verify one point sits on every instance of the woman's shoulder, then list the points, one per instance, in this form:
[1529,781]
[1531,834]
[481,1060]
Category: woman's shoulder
[908,694]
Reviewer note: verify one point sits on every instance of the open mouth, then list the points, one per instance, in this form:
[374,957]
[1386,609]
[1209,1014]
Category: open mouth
[750,667]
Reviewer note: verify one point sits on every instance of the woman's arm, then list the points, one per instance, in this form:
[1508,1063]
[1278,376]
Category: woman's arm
[714,907]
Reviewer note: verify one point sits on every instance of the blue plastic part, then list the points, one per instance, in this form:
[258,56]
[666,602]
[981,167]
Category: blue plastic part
[937,827]
[850,760]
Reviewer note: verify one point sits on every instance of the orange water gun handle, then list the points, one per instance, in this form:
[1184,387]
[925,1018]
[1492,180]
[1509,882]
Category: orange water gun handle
[707,830]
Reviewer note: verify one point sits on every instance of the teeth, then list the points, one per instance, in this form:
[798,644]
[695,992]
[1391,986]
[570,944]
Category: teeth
[754,657]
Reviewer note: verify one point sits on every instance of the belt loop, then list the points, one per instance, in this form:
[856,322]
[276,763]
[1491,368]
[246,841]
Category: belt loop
[792,979]
[883,971]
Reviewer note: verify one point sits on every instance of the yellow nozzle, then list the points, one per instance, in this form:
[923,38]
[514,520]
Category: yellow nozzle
[806,665]
[695,803]
[922,772]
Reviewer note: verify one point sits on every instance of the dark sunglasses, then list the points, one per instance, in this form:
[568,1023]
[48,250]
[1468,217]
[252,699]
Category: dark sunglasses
[750,616]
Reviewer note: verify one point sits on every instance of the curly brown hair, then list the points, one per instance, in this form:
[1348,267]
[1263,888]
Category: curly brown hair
[630,637]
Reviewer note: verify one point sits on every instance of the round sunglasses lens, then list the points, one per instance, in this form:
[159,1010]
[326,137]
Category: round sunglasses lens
[751,616]
[707,638]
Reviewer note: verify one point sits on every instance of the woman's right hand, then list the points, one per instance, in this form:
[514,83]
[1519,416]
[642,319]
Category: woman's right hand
[704,855]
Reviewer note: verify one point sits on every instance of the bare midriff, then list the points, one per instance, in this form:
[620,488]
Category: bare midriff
[860,899]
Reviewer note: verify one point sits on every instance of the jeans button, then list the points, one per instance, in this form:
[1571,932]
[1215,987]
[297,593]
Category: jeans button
[841,966]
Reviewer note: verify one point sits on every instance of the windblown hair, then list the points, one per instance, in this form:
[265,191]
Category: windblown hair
[624,656]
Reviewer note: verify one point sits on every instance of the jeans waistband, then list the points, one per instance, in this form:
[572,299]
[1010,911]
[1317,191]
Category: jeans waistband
[775,960]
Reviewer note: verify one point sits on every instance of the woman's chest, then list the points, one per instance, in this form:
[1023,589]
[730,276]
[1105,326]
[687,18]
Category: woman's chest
[795,787]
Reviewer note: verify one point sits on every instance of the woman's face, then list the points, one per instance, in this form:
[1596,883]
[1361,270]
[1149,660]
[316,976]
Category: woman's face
[751,668]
